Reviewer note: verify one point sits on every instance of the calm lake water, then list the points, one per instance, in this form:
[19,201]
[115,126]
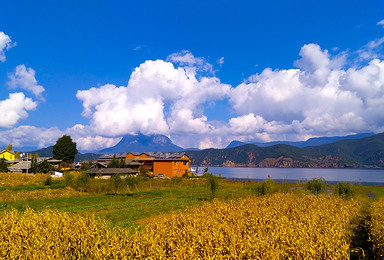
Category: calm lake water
[364,176]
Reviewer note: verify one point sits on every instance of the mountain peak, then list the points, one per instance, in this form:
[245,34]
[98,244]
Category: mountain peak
[143,143]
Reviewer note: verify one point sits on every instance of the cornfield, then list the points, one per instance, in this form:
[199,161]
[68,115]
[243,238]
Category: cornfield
[24,195]
[377,227]
[21,179]
[58,235]
[280,226]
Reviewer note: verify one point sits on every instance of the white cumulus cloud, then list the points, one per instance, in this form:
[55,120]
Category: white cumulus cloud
[5,44]
[32,136]
[159,99]
[320,96]
[15,108]
[24,78]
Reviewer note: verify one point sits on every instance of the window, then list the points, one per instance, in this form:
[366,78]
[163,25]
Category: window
[184,163]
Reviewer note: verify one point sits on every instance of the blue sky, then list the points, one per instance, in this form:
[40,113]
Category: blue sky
[203,73]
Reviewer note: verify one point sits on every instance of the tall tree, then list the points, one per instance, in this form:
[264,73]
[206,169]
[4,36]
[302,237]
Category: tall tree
[114,163]
[65,149]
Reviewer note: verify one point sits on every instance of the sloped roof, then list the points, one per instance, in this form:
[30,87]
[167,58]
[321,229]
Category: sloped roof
[110,156]
[111,171]
[4,150]
[20,166]
[166,156]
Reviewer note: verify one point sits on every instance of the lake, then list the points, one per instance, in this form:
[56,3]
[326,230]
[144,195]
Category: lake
[363,176]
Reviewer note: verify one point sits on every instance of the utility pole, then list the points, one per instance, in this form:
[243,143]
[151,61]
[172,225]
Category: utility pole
[27,162]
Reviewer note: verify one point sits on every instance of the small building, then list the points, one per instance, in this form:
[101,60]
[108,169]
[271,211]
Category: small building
[108,172]
[7,155]
[22,166]
[168,164]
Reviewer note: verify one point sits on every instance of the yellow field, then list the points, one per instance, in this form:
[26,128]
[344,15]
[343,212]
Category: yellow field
[280,226]
[377,227]
[24,195]
[21,179]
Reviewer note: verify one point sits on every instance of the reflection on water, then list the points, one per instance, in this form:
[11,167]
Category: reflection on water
[364,176]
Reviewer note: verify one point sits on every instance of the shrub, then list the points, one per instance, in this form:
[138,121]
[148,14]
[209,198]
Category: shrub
[267,187]
[315,185]
[82,181]
[48,180]
[344,189]
[116,182]
[213,182]
[175,180]
[131,181]
[68,179]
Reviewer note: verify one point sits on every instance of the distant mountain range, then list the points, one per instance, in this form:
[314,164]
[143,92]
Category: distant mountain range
[366,152]
[357,151]
[310,142]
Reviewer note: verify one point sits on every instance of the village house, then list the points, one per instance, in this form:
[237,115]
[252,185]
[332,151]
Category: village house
[23,165]
[7,155]
[158,163]
[101,169]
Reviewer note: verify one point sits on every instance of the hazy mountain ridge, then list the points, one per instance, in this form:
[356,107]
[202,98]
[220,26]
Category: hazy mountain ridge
[367,152]
[315,141]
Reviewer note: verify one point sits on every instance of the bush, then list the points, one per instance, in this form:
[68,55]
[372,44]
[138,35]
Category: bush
[213,182]
[267,187]
[116,182]
[48,180]
[82,181]
[68,179]
[344,189]
[175,180]
[315,186]
[131,181]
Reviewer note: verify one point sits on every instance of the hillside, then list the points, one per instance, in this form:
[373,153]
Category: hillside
[315,141]
[366,152]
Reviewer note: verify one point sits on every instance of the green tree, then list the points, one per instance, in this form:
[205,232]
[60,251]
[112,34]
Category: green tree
[34,164]
[122,163]
[44,167]
[114,163]
[9,147]
[65,149]
[3,165]
[17,155]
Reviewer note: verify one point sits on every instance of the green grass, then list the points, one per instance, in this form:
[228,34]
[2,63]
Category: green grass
[149,198]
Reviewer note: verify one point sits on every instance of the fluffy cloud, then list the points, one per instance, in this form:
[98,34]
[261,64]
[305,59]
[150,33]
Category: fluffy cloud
[87,140]
[26,135]
[24,78]
[159,99]
[14,108]
[317,98]
[189,61]
[5,44]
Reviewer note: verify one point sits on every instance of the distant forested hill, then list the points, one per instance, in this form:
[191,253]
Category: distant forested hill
[365,152]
